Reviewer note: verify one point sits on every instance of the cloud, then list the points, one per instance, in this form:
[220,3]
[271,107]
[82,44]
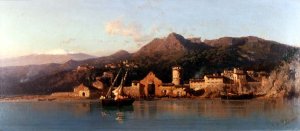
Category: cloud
[68,41]
[132,30]
[136,32]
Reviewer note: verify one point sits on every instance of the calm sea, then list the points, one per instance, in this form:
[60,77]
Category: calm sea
[152,115]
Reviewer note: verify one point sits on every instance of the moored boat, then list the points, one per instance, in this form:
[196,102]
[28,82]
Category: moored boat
[118,102]
[119,98]
[233,96]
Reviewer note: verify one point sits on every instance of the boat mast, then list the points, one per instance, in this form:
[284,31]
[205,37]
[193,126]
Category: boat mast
[122,82]
[108,95]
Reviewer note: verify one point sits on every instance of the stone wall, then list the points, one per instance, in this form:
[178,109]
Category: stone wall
[133,91]
[197,85]
[150,79]
[164,91]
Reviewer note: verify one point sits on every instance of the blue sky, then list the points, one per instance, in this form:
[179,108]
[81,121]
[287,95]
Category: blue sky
[105,26]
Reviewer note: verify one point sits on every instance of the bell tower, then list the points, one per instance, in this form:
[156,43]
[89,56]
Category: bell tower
[176,75]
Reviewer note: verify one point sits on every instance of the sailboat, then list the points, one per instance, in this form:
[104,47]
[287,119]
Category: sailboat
[119,99]
[240,95]
[236,96]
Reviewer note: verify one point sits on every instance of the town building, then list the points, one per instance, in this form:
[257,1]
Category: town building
[236,78]
[176,75]
[86,91]
[151,86]
[108,74]
[84,68]
[213,79]
[197,84]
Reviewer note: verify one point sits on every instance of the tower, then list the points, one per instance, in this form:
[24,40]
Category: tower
[176,75]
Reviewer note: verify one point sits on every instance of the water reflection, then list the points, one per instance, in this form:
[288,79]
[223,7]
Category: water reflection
[119,113]
[280,112]
[164,115]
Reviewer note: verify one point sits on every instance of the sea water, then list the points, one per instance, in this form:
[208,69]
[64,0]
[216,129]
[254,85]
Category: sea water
[181,114]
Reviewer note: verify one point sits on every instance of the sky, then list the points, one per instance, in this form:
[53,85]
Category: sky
[102,27]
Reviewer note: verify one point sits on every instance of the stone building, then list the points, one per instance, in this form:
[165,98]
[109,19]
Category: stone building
[135,90]
[147,87]
[84,68]
[239,76]
[197,84]
[208,81]
[238,79]
[213,79]
[245,81]
[85,91]
[107,74]
[98,84]
[176,75]
[152,86]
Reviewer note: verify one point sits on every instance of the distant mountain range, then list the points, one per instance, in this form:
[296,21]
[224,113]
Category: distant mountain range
[197,58]
[38,59]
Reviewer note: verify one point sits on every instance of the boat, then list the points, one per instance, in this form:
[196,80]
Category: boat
[235,96]
[118,102]
[119,99]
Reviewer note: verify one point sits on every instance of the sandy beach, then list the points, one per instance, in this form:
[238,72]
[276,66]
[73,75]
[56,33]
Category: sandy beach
[37,98]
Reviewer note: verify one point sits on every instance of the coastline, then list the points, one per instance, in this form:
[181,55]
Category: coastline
[52,98]
[41,98]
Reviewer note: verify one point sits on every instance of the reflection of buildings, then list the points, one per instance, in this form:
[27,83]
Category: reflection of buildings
[117,113]
[81,109]
[276,110]
[77,109]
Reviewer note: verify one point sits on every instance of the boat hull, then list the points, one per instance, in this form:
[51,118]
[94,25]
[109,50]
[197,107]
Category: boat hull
[237,96]
[120,102]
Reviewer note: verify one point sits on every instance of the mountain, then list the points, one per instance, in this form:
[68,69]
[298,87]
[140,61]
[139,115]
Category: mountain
[210,56]
[197,58]
[38,59]
[47,78]
[121,54]
[171,47]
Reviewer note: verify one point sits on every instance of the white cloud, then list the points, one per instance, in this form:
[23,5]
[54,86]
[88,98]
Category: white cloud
[134,31]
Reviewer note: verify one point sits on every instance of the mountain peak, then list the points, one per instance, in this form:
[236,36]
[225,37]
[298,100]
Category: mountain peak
[174,35]
[121,53]
[171,47]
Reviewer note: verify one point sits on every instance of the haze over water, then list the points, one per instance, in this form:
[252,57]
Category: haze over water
[152,115]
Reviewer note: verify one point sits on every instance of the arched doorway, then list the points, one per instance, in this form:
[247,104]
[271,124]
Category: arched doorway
[151,89]
[83,94]
[164,92]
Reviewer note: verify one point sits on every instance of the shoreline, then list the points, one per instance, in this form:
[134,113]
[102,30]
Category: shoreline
[52,98]
[43,98]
